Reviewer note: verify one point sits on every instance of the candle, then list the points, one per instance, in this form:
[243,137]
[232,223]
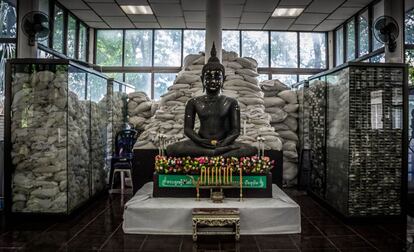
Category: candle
[225,175]
[216,175]
[212,175]
[201,176]
[220,175]
[244,127]
[231,175]
[241,177]
[208,175]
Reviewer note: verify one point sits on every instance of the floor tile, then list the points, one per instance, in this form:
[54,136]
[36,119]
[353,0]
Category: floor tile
[275,242]
[353,241]
[304,242]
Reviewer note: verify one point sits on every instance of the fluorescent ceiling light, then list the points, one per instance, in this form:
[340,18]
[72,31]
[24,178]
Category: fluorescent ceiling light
[287,12]
[136,9]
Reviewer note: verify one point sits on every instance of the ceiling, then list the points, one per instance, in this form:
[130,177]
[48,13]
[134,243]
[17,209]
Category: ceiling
[319,15]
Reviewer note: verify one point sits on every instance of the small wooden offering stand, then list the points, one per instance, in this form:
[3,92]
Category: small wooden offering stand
[216,221]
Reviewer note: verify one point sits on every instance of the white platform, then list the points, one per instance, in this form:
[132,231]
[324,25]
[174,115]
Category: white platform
[144,214]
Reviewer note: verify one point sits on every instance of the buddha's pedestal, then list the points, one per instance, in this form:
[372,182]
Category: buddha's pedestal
[181,186]
[144,163]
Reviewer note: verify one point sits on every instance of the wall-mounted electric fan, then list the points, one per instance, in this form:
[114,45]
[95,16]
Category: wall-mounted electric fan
[386,31]
[35,25]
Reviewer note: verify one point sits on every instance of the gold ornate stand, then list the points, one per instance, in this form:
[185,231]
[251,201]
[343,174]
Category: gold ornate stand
[216,221]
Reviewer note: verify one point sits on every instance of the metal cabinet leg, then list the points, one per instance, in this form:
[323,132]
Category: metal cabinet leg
[194,231]
[237,224]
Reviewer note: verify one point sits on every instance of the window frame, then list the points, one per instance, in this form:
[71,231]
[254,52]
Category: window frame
[371,52]
[269,71]
[66,13]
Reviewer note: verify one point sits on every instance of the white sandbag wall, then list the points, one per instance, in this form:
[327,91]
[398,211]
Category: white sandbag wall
[41,109]
[282,104]
[241,83]
[58,138]
[140,109]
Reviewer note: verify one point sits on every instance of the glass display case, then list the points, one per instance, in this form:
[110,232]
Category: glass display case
[315,95]
[364,158]
[56,134]
[117,100]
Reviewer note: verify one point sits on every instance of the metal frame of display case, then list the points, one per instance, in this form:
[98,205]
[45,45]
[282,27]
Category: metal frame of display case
[304,171]
[8,145]
[403,183]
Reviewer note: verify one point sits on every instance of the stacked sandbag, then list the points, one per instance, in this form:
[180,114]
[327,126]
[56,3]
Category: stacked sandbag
[50,150]
[241,83]
[99,140]
[140,109]
[168,118]
[282,104]
[119,111]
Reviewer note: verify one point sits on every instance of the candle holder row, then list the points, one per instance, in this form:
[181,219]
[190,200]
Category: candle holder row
[217,178]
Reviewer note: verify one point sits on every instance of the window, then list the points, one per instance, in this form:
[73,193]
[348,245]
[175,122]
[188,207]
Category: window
[312,50]
[141,81]
[8,20]
[194,41]
[339,46]
[380,58]
[255,44]
[83,42]
[167,48]
[116,76]
[109,47]
[409,27]
[57,43]
[409,57]
[71,41]
[284,51]
[161,82]
[363,34]
[138,48]
[231,41]
[263,77]
[288,79]
[350,40]
[378,11]
[304,77]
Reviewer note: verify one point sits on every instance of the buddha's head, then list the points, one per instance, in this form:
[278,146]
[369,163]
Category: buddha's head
[213,73]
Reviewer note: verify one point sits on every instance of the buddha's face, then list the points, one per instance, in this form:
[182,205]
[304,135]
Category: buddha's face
[213,80]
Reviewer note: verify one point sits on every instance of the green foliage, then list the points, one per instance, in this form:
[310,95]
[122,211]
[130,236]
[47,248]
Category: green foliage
[7,20]
[71,33]
[283,49]
[363,34]
[409,27]
[255,44]
[57,43]
[109,48]
[138,47]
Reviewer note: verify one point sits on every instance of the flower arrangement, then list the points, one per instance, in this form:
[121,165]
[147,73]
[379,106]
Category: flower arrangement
[188,165]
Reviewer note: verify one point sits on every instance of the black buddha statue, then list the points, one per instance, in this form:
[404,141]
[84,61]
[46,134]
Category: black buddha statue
[219,117]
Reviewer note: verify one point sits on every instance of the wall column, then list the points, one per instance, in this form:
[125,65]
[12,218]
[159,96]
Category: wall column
[24,50]
[214,11]
[395,9]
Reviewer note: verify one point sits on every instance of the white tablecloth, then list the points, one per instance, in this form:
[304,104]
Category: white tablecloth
[144,214]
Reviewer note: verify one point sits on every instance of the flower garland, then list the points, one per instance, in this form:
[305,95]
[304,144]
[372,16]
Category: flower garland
[188,165]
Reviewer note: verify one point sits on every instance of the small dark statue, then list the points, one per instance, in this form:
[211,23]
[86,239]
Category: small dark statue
[219,120]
